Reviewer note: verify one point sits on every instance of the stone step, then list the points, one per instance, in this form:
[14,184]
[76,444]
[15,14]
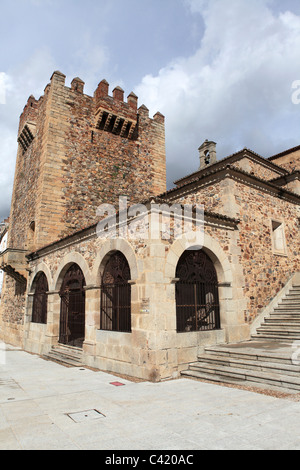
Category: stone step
[250,354]
[71,351]
[288,306]
[280,326]
[227,373]
[286,315]
[267,360]
[278,367]
[244,373]
[276,336]
[264,328]
[286,319]
[264,380]
[291,298]
[68,356]
[290,310]
[232,381]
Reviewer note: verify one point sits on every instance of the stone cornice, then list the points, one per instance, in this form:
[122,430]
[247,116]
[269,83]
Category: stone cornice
[210,218]
[240,155]
[230,171]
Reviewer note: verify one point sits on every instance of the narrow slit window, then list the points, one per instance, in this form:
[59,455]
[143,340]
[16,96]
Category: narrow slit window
[278,237]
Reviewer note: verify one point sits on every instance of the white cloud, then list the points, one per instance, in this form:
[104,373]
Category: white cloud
[3,87]
[28,78]
[89,60]
[236,88]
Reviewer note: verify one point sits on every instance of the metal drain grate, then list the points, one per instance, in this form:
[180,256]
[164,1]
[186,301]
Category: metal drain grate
[83,416]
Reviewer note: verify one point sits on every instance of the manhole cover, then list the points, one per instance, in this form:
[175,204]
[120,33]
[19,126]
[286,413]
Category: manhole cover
[88,415]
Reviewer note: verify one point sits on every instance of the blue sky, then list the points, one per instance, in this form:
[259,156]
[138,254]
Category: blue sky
[217,69]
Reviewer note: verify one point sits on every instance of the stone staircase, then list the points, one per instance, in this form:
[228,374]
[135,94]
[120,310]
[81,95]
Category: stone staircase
[68,356]
[271,359]
[284,322]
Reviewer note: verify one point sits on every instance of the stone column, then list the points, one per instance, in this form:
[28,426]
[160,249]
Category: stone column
[27,318]
[53,318]
[92,322]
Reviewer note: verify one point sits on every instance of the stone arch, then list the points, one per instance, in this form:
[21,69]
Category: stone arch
[211,247]
[41,267]
[106,250]
[72,307]
[230,286]
[40,298]
[66,262]
[197,293]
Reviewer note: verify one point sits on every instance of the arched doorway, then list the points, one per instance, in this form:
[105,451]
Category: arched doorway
[197,298]
[116,295]
[72,310]
[40,299]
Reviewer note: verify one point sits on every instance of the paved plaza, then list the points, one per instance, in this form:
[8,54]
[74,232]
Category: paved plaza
[46,406]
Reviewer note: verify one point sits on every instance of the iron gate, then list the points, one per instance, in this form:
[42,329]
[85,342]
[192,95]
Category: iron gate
[116,295]
[72,313]
[197,298]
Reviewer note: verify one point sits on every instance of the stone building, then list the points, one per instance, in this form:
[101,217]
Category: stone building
[132,292]
[3,244]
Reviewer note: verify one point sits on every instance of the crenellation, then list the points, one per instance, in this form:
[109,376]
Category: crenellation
[132,101]
[118,94]
[77,85]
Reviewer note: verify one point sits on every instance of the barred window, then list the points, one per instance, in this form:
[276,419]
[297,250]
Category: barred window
[197,299]
[115,312]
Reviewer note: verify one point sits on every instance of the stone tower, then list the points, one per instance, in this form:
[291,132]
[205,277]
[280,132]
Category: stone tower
[77,152]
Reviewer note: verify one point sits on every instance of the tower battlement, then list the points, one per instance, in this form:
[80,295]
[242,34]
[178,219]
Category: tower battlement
[29,113]
[81,151]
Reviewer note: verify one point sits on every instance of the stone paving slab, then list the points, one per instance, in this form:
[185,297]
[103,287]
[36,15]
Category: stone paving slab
[37,397]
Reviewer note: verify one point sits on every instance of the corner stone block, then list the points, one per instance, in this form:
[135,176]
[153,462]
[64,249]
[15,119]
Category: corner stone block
[158,117]
[58,77]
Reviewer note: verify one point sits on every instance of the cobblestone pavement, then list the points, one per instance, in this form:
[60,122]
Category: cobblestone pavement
[45,406]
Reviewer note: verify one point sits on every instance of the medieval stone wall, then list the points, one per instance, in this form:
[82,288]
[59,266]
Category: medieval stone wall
[13,299]
[257,169]
[265,271]
[27,173]
[289,161]
[100,165]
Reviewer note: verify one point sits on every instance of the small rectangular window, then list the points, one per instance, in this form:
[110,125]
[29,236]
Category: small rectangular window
[278,238]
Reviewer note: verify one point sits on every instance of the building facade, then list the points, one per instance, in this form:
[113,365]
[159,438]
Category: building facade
[3,244]
[136,290]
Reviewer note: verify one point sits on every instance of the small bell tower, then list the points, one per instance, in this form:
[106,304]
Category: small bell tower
[208,154]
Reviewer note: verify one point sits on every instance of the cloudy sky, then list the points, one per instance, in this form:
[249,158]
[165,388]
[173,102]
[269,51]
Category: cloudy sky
[221,70]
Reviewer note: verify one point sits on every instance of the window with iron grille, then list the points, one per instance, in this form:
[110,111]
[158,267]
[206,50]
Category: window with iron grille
[115,312]
[40,299]
[197,299]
